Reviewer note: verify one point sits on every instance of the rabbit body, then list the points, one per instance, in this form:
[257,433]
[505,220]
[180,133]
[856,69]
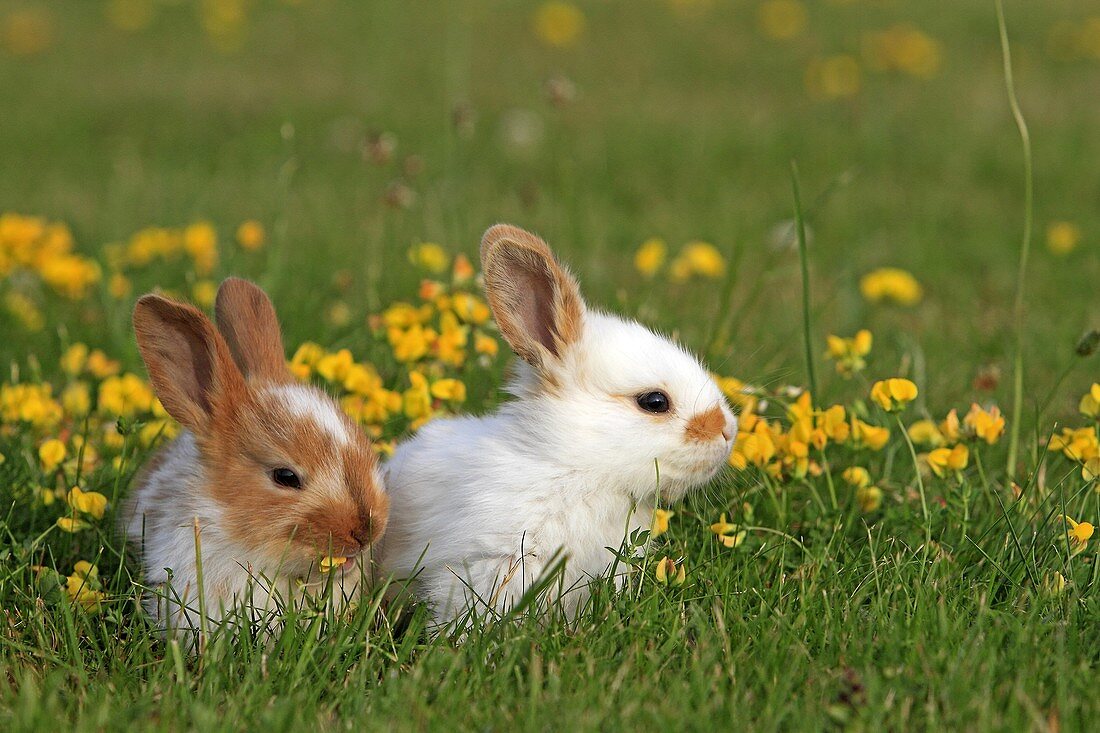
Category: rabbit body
[608,419]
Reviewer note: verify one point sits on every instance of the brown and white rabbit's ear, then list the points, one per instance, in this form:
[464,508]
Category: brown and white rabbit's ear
[535,300]
[247,320]
[189,363]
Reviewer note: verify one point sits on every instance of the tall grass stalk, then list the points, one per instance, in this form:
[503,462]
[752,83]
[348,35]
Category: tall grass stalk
[800,226]
[1025,248]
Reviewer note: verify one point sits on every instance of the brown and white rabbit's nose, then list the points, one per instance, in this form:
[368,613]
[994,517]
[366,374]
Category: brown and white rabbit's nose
[363,535]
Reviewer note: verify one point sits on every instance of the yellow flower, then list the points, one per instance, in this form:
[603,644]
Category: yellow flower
[451,390]
[69,275]
[903,48]
[650,257]
[1079,534]
[250,235]
[200,242]
[558,24]
[871,436]
[74,359]
[82,587]
[51,453]
[305,359]
[71,524]
[781,20]
[118,286]
[329,563]
[1090,471]
[987,425]
[1090,402]
[203,293]
[470,308]
[417,400]
[834,77]
[833,422]
[849,353]
[486,345]
[722,526]
[869,498]
[404,315]
[92,503]
[857,476]
[1063,237]
[429,256]
[925,433]
[698,258]
[893,394]
[462,271]
[100,367]
[948,460]
[669,572]
[1078,445]
[891,283]
[335,367]
[733,540]
[950,429]
[660,522]
[30,403]
[125,396]
[338,314]
[77,399]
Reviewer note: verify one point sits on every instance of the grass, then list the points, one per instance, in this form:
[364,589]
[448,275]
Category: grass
[929,613]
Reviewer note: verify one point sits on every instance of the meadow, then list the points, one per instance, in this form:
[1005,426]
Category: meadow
[877,554]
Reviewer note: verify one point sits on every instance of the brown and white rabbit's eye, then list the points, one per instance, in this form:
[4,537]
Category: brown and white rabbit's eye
[655,401]
[286,477]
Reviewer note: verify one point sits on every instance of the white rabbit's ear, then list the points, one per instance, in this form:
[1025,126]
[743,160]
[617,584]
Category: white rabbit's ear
[189,363]
[535,300]
[247,320]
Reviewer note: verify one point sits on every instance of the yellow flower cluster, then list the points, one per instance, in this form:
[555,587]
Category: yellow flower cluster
[1082,444]
[197,243]
[83,586]
[849,353]
[786,453]
[46,249]
[431,340]
[893,284]
[903,48]
[695,259]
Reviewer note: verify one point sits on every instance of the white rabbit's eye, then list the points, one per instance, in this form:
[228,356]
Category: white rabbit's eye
[656,401]
[286,477]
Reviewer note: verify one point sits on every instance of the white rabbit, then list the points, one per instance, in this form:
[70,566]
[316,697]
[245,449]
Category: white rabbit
[273,473]
[481,505]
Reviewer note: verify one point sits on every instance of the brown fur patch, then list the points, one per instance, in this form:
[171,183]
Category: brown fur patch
[247,320]
[705,426]
[339,510]
[188,361]
[535,300]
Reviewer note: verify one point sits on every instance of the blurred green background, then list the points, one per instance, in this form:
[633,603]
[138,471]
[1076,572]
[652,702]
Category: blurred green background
[352,130]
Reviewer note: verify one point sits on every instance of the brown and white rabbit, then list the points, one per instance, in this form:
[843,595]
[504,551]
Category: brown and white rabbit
[271,472]
[608,417]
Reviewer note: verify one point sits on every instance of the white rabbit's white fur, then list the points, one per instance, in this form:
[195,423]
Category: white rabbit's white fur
[480,505]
